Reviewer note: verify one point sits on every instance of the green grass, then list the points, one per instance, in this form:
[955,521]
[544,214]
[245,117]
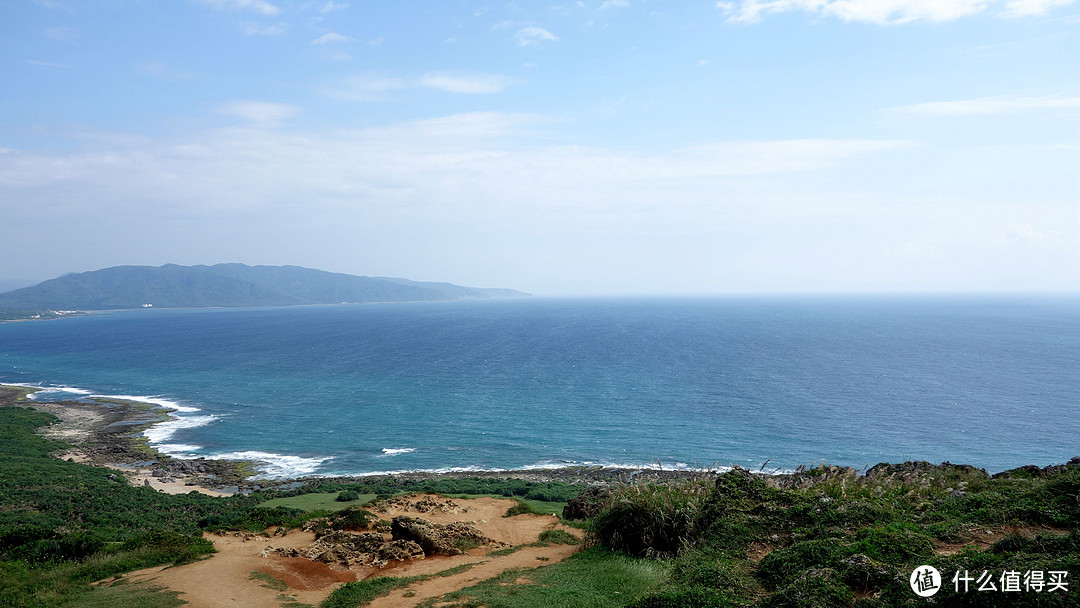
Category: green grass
[361,593]
[126,596]
[521,508]
[65,525]
[457,569]
[843,537]
[322,501]
[558,537]
[543,491]
[525,505]
[268,581]
[595,578]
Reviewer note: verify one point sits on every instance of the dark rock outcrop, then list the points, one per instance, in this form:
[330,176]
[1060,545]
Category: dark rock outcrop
[587,504]
[440,539]
[1031,470]
[353,549]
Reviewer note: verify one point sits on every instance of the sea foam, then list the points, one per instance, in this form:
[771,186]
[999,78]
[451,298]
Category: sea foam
[161,432]
[154,400]
[276,466]
[52,390]
[394,451]
[183,451]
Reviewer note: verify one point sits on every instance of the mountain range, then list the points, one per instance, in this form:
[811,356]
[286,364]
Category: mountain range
[174,286]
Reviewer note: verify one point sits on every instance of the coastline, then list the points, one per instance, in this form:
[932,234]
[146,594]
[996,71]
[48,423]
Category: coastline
[110,432]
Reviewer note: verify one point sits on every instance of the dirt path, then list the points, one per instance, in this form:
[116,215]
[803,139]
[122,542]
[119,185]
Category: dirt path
[226,578]
[529,557]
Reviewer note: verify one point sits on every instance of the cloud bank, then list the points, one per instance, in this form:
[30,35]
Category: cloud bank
[888,12]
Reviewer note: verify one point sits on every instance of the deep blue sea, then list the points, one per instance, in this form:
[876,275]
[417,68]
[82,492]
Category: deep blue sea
[689,382]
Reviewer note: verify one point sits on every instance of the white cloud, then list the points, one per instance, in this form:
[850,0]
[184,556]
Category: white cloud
[256,29]
[991,105]
[261,113]
[334,6]
[332,37]
[463,157]
[741,215]
[61,33]
[1027,8]
[259,6]
[465,83]
[885,12]
[376,41]
[163,71]
[614,4]
[365,87]
[1027,232]
[533,36]
[376,87]
[47,64]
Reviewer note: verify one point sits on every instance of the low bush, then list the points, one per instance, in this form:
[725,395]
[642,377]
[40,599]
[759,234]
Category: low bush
[347,496]
[520,508]
[650,520]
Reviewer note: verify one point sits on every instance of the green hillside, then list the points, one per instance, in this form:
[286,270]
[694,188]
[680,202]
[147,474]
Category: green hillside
[173,286]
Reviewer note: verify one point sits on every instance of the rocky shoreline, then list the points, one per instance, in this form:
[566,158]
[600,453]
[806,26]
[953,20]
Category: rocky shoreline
[108,433]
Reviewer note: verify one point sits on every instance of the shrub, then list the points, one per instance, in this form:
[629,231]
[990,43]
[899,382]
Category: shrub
[650,520]
[352,518]
[347,496]
[781,566]
[815,588]
[520,508]
[894,544]
[558,537]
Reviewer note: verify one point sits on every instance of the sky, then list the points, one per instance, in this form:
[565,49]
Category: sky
[560,148]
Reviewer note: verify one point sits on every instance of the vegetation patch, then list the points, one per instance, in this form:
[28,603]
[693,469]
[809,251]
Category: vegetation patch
[558,537]
[521,508]
[834,538]
[268,581]
[824,536]
[596,578]
[361,593]
[319,501]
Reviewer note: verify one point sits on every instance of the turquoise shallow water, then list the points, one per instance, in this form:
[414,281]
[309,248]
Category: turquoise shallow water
[991,381]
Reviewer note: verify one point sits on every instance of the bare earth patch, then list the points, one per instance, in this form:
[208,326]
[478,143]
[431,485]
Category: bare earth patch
[225,579]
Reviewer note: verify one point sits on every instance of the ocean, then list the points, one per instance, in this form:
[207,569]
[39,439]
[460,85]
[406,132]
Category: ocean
[767,383]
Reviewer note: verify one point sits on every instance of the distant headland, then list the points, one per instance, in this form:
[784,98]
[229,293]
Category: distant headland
[224,285]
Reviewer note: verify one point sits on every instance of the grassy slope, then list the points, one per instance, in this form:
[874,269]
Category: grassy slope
[841,542]
[63,525]
[318,501]
[845,541]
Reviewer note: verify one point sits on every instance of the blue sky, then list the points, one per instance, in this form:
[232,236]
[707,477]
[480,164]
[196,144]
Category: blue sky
[618,146]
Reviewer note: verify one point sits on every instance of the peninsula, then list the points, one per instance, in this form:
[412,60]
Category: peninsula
[225,285]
